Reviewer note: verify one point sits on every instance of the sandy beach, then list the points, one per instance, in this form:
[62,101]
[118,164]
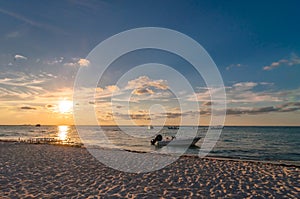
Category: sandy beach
[47,171]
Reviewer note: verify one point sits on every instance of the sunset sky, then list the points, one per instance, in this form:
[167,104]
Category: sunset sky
[255,45]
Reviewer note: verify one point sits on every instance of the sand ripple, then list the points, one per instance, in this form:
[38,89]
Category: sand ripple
[45,171]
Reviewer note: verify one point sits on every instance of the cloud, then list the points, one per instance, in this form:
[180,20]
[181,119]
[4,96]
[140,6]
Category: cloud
[172,115]
[108,116]
[243,86]
[106,92]
[209,103]
[244,98]
[140,115]
[16,86]
[294,60]
[140,89]
[241,92]
[286,107]
[112,88]
[20,82]
[32,22]
[238,111]
[143,88]
[83,62]
[247,92]
[233,66]
[14,34]
[56,60]
[79,62]
[27,108]
[71,64]
[204,94]
[275,64]
[20,57]
[143,91]
[144,82]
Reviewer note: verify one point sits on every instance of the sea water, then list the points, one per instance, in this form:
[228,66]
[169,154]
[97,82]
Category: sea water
[278,144]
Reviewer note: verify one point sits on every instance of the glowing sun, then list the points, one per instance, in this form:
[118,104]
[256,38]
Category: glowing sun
[65,106]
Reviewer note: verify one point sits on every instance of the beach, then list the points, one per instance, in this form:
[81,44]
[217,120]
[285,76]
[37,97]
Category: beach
[48,171]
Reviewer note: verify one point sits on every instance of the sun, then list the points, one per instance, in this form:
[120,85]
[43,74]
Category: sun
[65,106]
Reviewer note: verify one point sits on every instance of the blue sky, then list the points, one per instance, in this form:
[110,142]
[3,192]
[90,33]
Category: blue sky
[255,45]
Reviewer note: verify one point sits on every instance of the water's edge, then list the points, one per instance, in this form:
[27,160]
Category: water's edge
[210,157]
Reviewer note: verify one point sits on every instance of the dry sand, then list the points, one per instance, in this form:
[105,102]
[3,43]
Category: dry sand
[46,171]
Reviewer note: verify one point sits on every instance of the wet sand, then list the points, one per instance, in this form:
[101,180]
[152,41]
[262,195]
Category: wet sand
[47,171]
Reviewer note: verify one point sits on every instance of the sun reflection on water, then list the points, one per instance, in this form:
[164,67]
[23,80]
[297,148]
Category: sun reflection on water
[63,132]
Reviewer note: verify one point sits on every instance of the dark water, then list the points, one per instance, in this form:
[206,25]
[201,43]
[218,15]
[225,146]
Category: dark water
[279,144]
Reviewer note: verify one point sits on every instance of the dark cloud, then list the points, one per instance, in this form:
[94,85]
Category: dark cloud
[208,103]
[140,116]
[106,116]
[143,91]
[287,107]
[49,106]
[173,115]
[134,116]
[27,108]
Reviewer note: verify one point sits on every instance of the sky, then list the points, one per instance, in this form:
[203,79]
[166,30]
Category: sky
[254,44]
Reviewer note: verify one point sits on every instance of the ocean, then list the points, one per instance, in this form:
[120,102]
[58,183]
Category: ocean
[274,144]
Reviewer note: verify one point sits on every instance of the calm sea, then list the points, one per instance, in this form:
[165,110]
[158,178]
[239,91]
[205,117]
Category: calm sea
[279,144]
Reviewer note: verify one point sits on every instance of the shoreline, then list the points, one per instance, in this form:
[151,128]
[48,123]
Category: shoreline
[41,170]
[80,145]
[225,158]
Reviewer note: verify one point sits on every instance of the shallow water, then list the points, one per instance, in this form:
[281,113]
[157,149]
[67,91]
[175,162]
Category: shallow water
[255,143]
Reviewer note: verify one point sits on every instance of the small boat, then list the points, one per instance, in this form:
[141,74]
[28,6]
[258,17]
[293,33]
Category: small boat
[173,127]
[150,127]
[173,141]
[37,125]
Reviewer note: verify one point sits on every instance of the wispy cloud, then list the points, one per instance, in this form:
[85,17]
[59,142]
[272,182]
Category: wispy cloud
[91,5]
[233,66]
[241,92]
[21,86]
[13,34]
[56,60]
[294,60]
[138,115]
[238,111]
[32,22]
[78,62]
[286,107]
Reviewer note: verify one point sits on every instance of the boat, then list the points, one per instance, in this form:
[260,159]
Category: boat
[37,125]
[150,127]
[173,141]
[173,127]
